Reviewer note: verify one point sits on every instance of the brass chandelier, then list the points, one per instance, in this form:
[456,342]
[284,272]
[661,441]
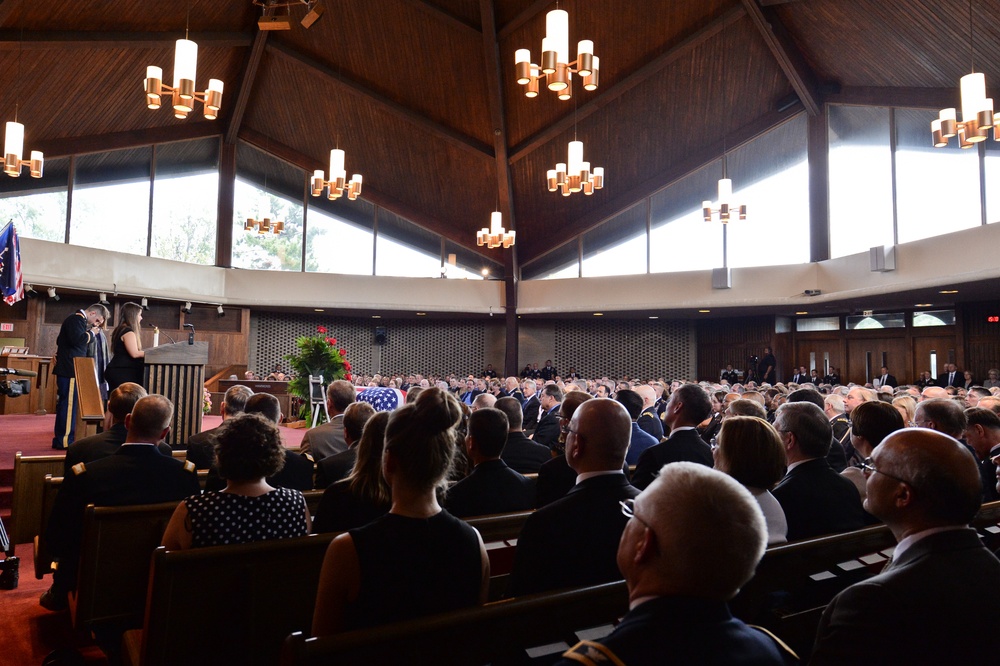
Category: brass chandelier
[182,93]
[575,175]
[556,68]
[337,184]
[495,235]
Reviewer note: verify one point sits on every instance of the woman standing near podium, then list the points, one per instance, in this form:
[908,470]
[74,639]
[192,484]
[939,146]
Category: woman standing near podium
[126,346]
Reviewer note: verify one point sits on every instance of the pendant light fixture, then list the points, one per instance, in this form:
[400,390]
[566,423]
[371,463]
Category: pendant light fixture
[556,69]
[182,93]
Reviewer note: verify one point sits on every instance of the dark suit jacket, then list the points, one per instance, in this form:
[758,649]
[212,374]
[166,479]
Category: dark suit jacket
[340,510]
[936,604]
[523,455]
[650,422]
[201,448]
[640,442]
[690,631]
[516,394]
[297,474]
[336,467]
[491,488]
[573,541]
[681,445]
[818,501]
[555,479]
[890,380]
[837,457]
[134,474]
[530,412]
[957,380]
[547,431]
[101,445]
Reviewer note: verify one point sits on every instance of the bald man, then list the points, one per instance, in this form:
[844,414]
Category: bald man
[935,602]
[649,421]
[572,542]
[694,539]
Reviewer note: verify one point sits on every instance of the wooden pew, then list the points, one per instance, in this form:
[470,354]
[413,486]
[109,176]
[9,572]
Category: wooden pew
[42,558]
[29,480]
[498,631]
[114,561]
[227,604]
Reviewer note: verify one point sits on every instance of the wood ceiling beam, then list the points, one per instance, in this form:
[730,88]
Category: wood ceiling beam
[526,15]
[667,177]
[637,77]
[388,202]
[6,7]
[767,3]
[446,16]
[449,135]
[100,143]
[789,58]
[917,98]
[246,85]
[10,40]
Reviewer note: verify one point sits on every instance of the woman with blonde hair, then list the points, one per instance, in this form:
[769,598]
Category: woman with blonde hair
[127,362]
[750,450]
[418,559]
[906,405]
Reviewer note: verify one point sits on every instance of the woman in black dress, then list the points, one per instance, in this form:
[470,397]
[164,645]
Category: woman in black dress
[418,559]
[126,347]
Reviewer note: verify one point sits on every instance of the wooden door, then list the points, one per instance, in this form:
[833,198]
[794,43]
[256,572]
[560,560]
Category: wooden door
[866,355]
[931,353]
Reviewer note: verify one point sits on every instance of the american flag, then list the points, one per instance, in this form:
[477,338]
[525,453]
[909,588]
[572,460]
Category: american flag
[382,399]
[11,278]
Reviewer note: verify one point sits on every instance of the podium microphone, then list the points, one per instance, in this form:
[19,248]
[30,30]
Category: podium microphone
[17,371]
[190,333]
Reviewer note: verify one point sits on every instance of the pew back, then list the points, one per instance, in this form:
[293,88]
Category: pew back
[29,479]
[42,558]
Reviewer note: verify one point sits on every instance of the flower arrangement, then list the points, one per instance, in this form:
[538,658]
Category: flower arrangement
[206,401]
[317,355]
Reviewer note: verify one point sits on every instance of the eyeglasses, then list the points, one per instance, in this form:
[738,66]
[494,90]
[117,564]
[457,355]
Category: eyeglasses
[868,468]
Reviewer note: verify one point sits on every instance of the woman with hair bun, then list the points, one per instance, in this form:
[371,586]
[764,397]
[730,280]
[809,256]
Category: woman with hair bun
[418,559]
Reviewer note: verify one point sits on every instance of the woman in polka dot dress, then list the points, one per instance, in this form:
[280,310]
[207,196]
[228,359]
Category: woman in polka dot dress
[248,450]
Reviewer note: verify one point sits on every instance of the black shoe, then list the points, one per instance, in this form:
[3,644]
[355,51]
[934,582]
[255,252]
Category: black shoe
[53,601]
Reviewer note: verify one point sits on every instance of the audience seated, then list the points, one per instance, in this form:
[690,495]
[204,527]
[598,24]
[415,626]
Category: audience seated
[201,446]
[572,541]
[137,473]
[327,439]
[103,444]
[364,495]
[648,420]
[248,449]
[689,405]
[556,477]
[935,602]
[816,499]
[492,487]
[871,422]
[745,407]
[336,467]
[982,434]
[299,468]
[693,539]
[837,457]
[750,450]
[547,431]
[418,559]
[520,453]
[641,440]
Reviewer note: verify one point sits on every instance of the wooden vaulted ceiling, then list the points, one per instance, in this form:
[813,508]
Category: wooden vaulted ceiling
[421,93]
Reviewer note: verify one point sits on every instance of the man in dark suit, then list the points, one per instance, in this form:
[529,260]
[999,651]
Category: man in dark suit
[648,419]
[885,379]
[694,539]
[137,473]
[641,440]
[547,431]
[201,446]
[492,487]
[547,373]
[573,541]
[103,444]
[689,405]
[75,336]
[336,467]
[530,406]
[982,433]
[816,499]
[729,375]
[833,407]
[328,438]
[299,468]
[951,376]
[512,390]
[520,453]
[837,455]
[936,599]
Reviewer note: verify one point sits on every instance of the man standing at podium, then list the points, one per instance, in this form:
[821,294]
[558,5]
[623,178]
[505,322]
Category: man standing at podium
[76,333]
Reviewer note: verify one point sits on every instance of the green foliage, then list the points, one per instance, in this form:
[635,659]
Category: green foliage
[317,355]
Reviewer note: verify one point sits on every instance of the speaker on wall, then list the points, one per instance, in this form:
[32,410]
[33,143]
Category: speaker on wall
[380,335]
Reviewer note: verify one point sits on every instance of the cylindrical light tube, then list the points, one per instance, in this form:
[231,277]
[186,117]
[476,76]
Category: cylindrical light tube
[13,146]
[557,31]
[35,165]
[185,65]
[317,183]
[575,158]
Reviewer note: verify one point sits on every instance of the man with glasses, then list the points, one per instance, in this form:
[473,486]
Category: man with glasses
[572,541]
[816,499]
[75,335]
[694,539]
[935,602]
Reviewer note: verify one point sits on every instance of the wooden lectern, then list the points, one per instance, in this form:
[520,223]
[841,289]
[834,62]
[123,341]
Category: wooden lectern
[177,371]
